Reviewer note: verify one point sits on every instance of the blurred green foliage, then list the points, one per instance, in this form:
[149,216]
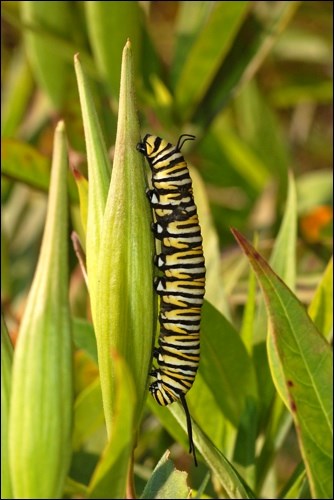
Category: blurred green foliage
[253,82]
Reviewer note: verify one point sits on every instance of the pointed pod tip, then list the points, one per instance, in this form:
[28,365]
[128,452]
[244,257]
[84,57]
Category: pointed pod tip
[60,126]
[127,52]
[77,62]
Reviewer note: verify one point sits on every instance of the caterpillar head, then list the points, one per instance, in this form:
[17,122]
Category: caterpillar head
[152,145]
[162,397]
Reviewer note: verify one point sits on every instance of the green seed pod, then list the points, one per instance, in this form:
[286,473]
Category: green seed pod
[41,403]
[125,296]
[6,381]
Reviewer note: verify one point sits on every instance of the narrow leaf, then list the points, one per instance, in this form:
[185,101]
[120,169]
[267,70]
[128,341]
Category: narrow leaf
[104,19]
[252,45]
[283,256]
[214,286]
[84,337]
[283,261]
[82,185]
[295,484]
[51,70]
[227,476]
[225,364]
[88,413]
[321,307]
[257,120]
[206,55]
[16,93]
[23,163]
[247,328]
[241,157]
[314,189]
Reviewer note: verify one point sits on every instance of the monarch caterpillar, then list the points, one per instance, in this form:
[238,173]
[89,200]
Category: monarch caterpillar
[182,286]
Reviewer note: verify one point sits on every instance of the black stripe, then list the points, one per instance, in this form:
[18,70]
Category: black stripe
[171,164]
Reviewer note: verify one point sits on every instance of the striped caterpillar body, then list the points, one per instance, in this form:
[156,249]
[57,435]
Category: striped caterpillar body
[182,286]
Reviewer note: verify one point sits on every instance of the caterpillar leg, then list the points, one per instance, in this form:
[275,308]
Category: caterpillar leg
[157,230]
[156,352]
[153,196]
[158,281]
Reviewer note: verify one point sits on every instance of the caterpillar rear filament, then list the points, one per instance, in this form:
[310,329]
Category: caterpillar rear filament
[182,286]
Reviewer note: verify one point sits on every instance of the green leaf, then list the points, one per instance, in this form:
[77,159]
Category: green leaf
[245,443]
[168,422]
[75,489]
[6,278]
[260,129]
[225,364]
[242,158]
[306,364]
[283,256]
[88,413]
[283,260]
[293,95]
[248,320]
[166,481]
[227,476]
[278,423]
[42,390]
[124,318]
[16,94]
[213,285]
[208,414]
[300,44]
[295,484]
[321,307]
[84,337]
[314,189]
[190,20]
[206,55]
[254,41]
[110,476]
[23,163]
[104,20]
[82,185]
[6,382]
[50,68]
